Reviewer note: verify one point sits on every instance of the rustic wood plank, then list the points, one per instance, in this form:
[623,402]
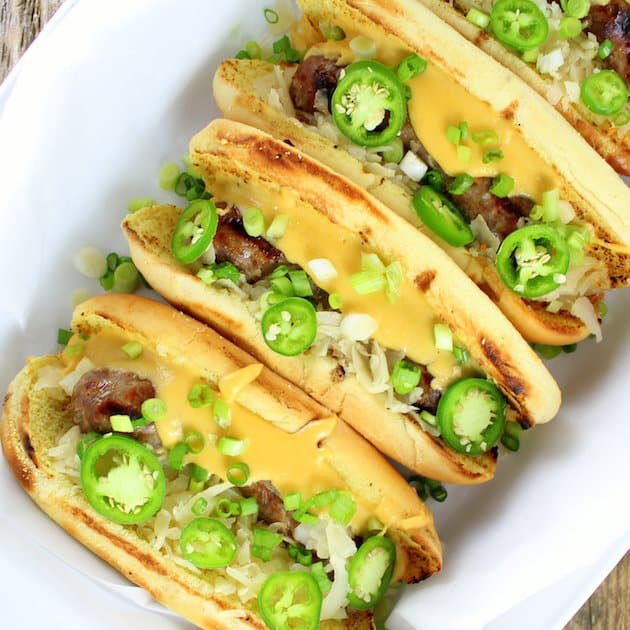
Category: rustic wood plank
[20,22]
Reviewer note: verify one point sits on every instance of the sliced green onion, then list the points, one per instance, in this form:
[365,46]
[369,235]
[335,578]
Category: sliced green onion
[278,227]
[222,413]
[200,395]
[372,262]
[363,47]
[253,49]
[461,184]
[153,409]
[301,283]
[107,281]
[282,286]
[271,16]
[463,127]
[121,423]
[242,54]
[301,555]
[484,138]
[502,185]
[602,307]
[292,501]
[335,301]
[264,543]
[530,55]
[453,134]
[206,275]
[319,573]
[133,349]
[231,446]
[410,67]
[461,354]
[436,489]
[199,473]
[248,506]
[113,260]
[305,517]
[225,271]
[238,474]
[254,222]
[492,155]
[138,203]
[63,336]
[393,151]
[434,179]
[569,28]
[169,175]
[550,200]
[366,282]
[279,271]
[331,31]
[176,455]
[393,279]
[605,49]
[443,337]
[225,508]
[87,440]
[126,278]
[343,509]
[576,8]
[322,499]
[199,506]
[511,436]
[405,377]
[429,418]
[195,486]
[74,350]
[464,153]
[547,352]
[478,18]
[195,442]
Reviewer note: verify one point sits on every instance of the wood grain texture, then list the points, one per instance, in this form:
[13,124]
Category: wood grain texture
[20,22]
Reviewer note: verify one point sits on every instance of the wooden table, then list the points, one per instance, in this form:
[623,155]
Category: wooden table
[609,606]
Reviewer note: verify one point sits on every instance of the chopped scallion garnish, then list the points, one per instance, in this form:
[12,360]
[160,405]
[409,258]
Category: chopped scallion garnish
[121,423]
[238,474]
[63,336]
[461,184]
[254,222]
[231,447]
[502,185]
[133,349]
[478,18]
[405,377]
[153,409]
[443,337]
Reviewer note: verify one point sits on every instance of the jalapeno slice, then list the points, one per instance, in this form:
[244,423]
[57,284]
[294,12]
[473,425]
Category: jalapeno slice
[194,230]
[370,572]
[442,216]
[290,326]
[471,415]
[519,23]
[369,104]
[604,92]
[532,260]
[122,479]
[208,543]
[290,599]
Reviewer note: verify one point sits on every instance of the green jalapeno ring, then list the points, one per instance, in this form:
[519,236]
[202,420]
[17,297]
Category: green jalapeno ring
[370,572]
[471,415]
[290,596]
[519,24]
[289,327]
[133,488]
[604,92]
[368,104]
[208,543]
[194,230]
[530,259]
[442,216]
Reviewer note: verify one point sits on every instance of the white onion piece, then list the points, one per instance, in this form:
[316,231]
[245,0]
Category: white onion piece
[573,91]
[413,167]
[322,269]
[90,261]
[358,326]
[550,62]
[566,213]
[68,382]
[209,256]
[584,310]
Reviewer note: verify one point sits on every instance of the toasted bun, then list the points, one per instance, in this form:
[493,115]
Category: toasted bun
[605,140]
[242,88]
[229,152]
[33,421]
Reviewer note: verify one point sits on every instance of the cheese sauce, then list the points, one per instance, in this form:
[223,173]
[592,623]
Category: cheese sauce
[406,325]
[293,462]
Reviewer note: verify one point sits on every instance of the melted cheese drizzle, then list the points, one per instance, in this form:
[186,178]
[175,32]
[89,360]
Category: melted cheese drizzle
[437,102]
[293,462]
[405,325]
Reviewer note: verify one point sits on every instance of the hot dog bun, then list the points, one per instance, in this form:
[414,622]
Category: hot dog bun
[35,418]
[255,92]
[241,164]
